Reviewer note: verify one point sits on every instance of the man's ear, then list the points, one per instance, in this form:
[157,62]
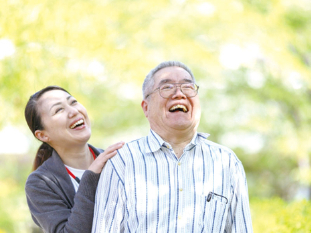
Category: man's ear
[144,105]
[42,136]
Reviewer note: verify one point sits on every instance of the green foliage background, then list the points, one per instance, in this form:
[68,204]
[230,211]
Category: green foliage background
[251,59]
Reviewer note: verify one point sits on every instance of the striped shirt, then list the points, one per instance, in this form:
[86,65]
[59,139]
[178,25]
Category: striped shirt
[146,188]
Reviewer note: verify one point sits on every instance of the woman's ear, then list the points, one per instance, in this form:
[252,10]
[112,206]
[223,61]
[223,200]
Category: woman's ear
[42,136]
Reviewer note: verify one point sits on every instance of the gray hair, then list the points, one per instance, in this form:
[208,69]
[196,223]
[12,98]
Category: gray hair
[149,80]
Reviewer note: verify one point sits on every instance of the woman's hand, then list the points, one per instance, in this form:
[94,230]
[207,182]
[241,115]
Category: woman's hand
[99,163]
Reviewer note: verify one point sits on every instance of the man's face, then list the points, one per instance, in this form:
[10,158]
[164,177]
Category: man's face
[159,110]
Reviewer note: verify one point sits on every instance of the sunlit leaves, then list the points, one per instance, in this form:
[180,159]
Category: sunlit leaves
[250,58]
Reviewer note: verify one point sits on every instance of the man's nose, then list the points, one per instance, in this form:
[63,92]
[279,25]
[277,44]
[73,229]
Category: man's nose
[178,93]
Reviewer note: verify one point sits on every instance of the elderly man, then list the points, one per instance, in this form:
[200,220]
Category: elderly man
[174,179]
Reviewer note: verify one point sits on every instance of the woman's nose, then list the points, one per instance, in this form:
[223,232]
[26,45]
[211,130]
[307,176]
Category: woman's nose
[72,112]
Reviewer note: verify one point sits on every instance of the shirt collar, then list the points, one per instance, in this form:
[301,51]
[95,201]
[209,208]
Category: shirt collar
[201,137]
[155,142]
[197,139]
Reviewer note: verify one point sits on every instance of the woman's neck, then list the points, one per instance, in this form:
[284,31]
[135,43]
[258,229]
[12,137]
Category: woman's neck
[76,157]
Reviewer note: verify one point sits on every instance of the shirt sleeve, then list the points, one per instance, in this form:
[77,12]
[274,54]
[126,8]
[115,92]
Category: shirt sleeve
[239,216]
[50,208]
[109,211]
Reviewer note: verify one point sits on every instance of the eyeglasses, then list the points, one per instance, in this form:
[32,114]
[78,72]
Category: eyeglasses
[169,89]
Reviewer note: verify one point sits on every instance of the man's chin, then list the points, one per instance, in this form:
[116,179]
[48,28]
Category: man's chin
[180,126]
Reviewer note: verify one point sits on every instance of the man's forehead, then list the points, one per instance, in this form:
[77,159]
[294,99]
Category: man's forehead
[172,74]
[167,80]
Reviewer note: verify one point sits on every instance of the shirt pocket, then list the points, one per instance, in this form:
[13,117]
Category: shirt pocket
[214,213]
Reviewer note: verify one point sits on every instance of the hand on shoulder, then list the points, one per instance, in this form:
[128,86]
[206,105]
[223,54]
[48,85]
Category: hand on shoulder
[99,163]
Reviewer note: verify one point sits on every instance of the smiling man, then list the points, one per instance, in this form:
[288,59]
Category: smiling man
[174,179]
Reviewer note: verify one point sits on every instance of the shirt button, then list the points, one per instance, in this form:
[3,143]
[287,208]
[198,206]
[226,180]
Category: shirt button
[180,190]
[179,164]
[179,217]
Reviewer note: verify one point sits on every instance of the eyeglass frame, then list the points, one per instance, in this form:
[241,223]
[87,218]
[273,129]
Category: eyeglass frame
[175,85]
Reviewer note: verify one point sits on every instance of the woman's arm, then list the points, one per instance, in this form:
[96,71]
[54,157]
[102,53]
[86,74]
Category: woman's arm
[52,209]
[50,198]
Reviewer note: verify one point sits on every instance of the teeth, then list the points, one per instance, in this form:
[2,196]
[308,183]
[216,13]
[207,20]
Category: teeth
[77,123]
[179,106]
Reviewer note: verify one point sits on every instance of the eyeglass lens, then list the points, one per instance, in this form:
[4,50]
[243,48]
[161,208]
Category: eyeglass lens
[189,89]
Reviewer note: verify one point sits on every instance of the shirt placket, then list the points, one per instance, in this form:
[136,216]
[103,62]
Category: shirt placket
[183,191]
[180,191]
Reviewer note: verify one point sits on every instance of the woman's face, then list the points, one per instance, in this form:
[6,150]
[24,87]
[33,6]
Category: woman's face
[65,121]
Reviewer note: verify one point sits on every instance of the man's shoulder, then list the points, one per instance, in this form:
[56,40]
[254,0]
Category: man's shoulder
[130,149]
[218,148]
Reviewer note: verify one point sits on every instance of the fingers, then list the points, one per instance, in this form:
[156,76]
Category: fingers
[106,155]
[110,151]
[114,147]
[102,158]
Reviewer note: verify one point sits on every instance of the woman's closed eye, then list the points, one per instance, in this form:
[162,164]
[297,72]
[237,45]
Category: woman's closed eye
[74,102]
[58,110]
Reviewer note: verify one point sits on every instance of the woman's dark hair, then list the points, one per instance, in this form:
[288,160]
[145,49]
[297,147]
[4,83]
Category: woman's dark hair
[33,118]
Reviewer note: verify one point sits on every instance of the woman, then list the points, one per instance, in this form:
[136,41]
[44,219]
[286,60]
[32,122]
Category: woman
[61,189]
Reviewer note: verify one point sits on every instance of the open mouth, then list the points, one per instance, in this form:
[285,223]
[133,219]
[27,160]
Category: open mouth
[77,124]
[179,108]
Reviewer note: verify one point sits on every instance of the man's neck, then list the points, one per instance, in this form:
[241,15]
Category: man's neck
[76,157]
[177,139]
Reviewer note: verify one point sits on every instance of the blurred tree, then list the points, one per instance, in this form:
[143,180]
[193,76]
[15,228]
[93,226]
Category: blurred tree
[251,59]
